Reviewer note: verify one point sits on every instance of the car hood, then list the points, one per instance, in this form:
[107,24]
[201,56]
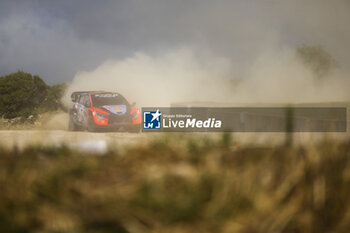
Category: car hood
[115,109]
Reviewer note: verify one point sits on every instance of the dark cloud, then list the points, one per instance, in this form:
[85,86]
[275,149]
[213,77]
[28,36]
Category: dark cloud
[56,39]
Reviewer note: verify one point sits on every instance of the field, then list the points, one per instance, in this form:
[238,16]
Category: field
[175,183]
[53,180]
[174,116]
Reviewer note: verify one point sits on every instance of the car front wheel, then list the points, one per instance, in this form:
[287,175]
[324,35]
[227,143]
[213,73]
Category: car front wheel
[91,124]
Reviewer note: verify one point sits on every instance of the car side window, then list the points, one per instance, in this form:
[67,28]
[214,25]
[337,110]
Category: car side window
[86,101]
[81,99]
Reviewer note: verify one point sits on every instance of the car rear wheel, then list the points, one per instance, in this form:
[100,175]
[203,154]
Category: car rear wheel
[72,126]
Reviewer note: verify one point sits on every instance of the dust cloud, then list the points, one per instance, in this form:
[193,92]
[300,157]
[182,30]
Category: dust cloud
[244,53]
[275,76]
[159,80]
[56,121]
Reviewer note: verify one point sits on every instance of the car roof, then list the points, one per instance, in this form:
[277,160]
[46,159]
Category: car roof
[75,95]
[103,92]
[93,92]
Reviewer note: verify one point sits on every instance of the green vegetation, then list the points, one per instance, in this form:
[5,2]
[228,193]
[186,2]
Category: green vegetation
[177,184]
[23,95]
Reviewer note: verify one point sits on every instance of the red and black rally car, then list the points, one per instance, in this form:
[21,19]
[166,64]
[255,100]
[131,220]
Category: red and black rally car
[100,110]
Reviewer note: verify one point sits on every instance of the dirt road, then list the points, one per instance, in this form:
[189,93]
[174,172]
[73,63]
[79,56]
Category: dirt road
[101,141]
[22,138]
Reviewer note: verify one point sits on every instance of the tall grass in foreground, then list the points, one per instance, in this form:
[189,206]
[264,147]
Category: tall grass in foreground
[177,185]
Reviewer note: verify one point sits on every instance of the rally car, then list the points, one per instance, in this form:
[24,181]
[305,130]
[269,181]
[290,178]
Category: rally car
[100,110]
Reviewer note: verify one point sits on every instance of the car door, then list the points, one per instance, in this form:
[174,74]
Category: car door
[85,111]
[81,110]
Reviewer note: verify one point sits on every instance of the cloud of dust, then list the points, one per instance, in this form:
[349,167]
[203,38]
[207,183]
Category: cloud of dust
[275,76]
[55,121]
[278,76]
[159,80]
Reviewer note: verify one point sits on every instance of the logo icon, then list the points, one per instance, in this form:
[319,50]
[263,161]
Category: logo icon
[152,119]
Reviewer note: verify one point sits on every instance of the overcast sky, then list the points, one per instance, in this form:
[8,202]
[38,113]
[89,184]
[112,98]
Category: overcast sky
[57,39]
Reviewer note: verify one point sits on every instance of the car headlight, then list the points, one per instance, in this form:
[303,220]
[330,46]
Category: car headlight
[100,116]
[135,114]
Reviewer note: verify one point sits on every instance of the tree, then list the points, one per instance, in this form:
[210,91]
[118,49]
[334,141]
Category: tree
[317,59]
[53,98]
[22,94]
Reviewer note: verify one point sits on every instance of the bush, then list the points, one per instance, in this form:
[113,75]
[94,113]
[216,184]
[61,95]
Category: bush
[22,95]
[157,188]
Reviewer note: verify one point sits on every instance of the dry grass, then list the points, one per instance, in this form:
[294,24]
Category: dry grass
[50,121]
[177,184]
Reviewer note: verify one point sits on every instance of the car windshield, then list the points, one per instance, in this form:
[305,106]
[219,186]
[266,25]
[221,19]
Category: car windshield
[99,100]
